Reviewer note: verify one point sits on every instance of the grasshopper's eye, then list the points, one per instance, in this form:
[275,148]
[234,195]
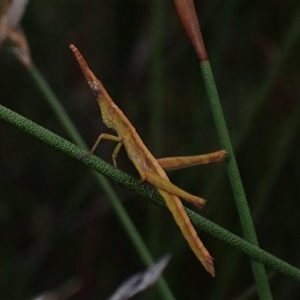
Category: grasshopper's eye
[96,89]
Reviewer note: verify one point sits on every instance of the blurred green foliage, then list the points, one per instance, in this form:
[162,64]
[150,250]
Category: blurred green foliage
[55,221]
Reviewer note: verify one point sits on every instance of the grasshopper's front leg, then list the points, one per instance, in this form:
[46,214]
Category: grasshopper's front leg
[110,137]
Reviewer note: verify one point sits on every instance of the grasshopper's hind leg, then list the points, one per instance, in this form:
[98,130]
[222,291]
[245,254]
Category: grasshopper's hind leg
[166,185]
[171,163]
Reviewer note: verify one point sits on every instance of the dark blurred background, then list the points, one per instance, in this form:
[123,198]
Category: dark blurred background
[55,221]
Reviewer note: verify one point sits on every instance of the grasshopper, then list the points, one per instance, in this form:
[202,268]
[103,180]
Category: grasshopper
[149,168]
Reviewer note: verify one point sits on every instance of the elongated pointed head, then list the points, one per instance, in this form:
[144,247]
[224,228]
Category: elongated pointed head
[92,80]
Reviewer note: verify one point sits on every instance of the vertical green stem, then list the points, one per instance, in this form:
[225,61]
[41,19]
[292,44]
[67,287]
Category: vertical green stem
[235,179]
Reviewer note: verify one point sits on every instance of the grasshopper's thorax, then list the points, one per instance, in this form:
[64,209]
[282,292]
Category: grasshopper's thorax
[106,116]
[107,106]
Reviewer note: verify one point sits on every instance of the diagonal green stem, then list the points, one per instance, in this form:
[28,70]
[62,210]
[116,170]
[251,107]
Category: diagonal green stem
[148,192]
[235,179]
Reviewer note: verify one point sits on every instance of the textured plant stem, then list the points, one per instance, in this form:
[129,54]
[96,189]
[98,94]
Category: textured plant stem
[148,192]
[124,218]
[259,271]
